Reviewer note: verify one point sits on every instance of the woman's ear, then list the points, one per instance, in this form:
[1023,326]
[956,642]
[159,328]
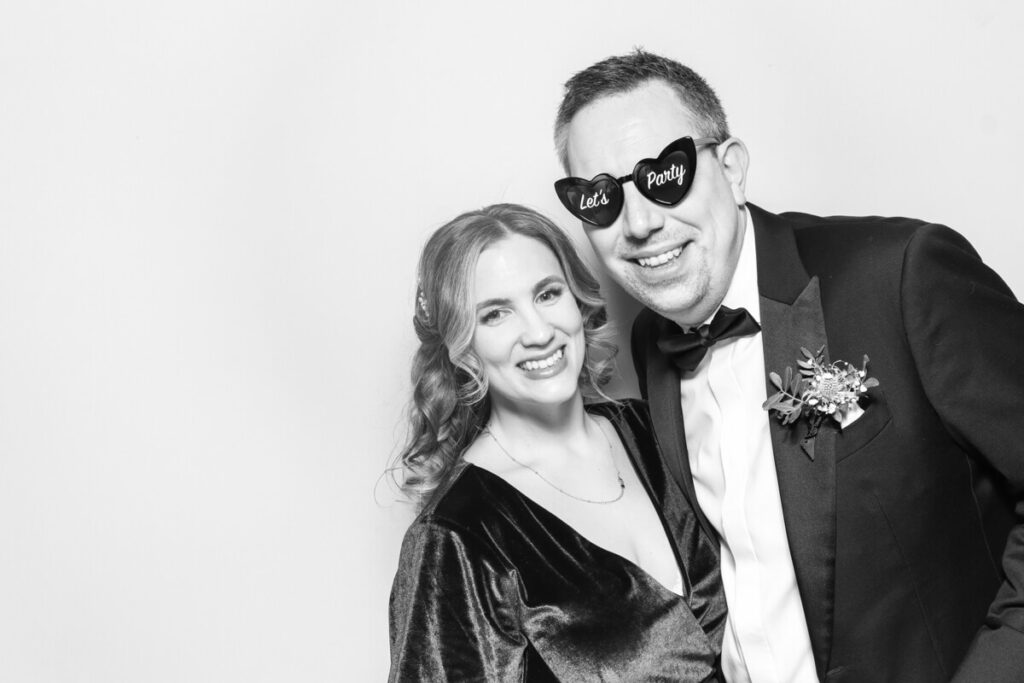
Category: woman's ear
[733,158]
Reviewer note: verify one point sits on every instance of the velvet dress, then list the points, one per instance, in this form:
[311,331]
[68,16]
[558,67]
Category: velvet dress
[493,587]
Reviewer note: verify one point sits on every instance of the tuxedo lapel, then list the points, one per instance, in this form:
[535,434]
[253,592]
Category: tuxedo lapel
[662,383]
[791,318]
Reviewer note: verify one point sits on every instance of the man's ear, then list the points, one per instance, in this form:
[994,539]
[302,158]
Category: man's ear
[733,158]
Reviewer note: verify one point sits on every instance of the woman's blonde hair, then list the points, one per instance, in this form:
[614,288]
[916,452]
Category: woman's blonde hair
[449,404]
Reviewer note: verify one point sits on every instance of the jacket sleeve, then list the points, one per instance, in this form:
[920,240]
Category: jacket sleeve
[968,345]
[450,616]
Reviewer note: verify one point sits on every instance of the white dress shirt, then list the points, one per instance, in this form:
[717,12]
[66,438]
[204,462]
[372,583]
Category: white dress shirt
[730,452]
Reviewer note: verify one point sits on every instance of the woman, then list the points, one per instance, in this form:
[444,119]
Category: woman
[552,543]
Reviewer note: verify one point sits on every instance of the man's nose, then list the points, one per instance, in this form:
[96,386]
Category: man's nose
[537,329]
[640,216]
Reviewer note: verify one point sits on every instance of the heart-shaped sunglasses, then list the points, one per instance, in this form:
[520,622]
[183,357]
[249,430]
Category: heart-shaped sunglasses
[664,180]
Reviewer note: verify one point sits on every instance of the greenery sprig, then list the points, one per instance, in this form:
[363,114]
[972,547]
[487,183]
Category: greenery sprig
[817,390]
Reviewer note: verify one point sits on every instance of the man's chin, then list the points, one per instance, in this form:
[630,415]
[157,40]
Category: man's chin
[681,296]
[685,311]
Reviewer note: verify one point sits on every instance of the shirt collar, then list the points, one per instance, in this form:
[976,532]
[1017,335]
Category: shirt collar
[743,292]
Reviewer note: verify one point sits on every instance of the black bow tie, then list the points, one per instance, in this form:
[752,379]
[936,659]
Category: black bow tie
[687,349]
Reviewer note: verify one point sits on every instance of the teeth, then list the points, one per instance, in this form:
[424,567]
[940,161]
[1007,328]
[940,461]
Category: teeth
[660,259]
[544,362]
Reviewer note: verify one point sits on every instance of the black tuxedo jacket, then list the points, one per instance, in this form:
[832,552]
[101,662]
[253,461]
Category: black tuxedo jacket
[907,528]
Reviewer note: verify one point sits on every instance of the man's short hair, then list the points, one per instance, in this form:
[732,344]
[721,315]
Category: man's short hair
[617,75]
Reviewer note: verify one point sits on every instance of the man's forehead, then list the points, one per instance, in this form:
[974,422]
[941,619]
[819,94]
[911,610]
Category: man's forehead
[638,122]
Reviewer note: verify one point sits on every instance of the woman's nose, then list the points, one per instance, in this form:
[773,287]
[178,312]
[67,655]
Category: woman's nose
[537,329]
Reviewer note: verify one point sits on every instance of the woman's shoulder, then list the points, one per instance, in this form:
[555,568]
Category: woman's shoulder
[475,523]
[447,559]
[468,505]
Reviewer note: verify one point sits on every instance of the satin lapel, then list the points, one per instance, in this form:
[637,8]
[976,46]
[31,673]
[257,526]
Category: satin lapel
[806,486]
[667,416]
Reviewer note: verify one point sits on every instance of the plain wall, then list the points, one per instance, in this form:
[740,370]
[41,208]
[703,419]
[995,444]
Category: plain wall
[210,215]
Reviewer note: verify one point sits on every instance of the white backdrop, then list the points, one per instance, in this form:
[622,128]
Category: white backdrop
[210,214]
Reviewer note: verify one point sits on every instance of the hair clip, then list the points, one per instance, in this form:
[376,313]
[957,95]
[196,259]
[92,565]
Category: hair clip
[422,301]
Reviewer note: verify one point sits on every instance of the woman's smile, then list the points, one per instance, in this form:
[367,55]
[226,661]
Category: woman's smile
[545,367]
[529,331]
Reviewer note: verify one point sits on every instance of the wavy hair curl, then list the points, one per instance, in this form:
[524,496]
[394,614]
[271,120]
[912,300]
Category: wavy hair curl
[450,405]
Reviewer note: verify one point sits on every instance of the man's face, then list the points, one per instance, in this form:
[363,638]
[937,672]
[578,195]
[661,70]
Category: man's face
[677,260]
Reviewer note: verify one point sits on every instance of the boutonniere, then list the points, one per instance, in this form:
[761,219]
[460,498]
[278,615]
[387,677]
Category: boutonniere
[818,391]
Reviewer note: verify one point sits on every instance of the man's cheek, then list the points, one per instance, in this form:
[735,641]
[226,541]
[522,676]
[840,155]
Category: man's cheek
[601,245]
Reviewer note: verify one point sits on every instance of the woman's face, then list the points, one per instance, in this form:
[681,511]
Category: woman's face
[529,331]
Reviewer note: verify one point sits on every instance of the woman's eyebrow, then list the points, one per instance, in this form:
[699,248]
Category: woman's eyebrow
[541,284]
[549,280]
[492,302]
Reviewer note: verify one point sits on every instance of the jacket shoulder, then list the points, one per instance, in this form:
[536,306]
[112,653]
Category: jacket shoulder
[846,244]
[894,229]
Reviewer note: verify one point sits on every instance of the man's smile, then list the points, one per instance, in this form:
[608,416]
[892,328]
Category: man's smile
[660,259]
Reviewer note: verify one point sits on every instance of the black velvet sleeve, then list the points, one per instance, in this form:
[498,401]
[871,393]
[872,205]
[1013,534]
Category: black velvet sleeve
[451,613]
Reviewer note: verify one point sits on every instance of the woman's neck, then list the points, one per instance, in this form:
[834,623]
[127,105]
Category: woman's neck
[534,428]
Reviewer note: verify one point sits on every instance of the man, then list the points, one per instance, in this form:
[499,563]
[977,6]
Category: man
[882,541]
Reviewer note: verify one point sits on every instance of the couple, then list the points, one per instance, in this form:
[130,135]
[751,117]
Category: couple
[861,520]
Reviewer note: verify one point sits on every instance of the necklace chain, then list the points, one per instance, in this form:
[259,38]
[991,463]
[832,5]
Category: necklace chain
[618,475]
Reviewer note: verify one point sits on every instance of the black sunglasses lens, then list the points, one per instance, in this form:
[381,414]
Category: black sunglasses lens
[667,179]
[597,202]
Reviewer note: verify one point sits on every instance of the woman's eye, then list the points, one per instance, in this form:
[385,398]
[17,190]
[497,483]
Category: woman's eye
[492,316]
[549,294]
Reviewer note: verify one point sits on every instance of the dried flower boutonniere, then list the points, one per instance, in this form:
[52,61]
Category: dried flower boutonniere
[817,391]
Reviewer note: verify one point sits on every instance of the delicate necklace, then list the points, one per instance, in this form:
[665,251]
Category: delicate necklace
[622,484]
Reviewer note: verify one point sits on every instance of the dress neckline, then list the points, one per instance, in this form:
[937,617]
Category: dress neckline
[642,476]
